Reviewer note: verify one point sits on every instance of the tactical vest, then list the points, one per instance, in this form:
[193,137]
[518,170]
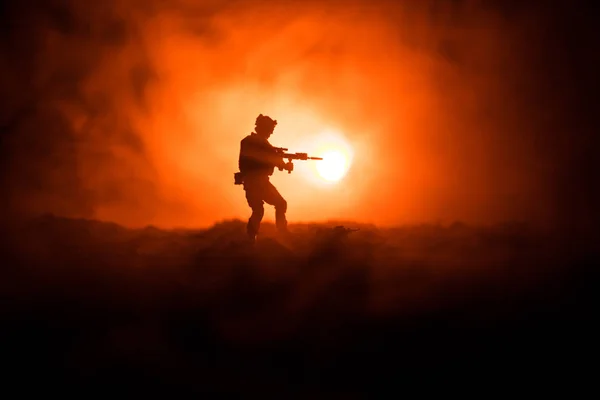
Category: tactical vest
[255,153]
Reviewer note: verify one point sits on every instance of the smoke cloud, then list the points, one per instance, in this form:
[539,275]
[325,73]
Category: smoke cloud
[132,111]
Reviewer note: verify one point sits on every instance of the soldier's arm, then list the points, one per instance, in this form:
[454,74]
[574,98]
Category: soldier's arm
[263,153]
[250,150]
[276,159]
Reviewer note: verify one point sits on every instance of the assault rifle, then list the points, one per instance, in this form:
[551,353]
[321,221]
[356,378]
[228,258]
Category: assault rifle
[281,151]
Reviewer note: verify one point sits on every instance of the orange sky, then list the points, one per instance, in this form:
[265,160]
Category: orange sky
[427,100]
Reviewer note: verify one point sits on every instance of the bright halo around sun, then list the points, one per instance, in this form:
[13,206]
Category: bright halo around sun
[337,154]
[334,165]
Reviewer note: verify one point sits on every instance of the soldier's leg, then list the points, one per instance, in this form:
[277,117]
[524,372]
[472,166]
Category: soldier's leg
[274,198]
[255,202]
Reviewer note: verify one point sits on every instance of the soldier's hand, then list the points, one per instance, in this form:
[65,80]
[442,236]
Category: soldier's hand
[289,166]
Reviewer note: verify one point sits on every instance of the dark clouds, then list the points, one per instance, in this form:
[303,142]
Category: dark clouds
[52,124]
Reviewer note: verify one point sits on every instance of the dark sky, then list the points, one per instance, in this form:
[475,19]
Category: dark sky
[132,111]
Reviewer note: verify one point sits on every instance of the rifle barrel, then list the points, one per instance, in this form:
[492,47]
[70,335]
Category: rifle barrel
[298,156]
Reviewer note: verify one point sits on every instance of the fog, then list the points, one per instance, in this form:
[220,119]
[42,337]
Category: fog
[470,125]
[132,111]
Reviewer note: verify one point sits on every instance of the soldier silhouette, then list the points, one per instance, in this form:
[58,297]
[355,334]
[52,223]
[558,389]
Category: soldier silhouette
[257,162]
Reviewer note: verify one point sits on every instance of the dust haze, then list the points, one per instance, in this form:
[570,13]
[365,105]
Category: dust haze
[91,305]
[125,264]
[132,111]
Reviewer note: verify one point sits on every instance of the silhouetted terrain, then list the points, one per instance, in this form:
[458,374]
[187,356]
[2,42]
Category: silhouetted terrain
[95,306]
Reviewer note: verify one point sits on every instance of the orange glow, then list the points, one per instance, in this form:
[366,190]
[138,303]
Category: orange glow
[337,154]
[334,166]
[414,103]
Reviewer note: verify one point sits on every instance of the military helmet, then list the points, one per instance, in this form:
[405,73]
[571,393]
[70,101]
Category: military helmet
[264,121]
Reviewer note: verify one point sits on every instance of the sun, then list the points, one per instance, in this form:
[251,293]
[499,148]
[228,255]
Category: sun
[334,166]
[337,155]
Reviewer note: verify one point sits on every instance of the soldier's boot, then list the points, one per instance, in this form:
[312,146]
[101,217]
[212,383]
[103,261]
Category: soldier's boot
[281,222]
[254,223]
[251,232]
[283,232]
